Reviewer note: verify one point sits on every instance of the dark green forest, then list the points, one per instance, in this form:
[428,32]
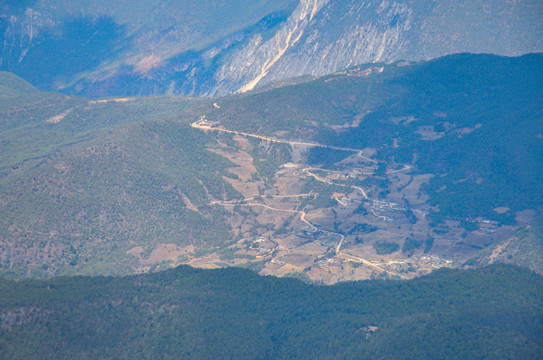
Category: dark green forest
[493,312]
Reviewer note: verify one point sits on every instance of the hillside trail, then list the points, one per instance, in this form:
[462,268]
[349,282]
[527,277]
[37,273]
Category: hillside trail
[302,214]
[330,182]
[198,125]
[297,212]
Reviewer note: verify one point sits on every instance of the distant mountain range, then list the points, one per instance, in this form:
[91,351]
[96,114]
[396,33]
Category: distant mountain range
[99,48]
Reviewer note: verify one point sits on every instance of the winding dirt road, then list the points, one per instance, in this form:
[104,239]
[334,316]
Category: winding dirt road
[318,178]
[205,127]
[307,171]
[198,125]
[372,265]
[237,203]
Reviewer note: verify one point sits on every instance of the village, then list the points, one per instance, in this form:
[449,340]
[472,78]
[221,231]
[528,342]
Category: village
[342,240]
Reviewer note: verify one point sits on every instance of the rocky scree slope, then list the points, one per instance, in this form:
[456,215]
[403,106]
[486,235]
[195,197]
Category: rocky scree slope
[97,48]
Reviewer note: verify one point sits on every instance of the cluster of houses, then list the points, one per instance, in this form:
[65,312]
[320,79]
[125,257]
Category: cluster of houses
[206,123]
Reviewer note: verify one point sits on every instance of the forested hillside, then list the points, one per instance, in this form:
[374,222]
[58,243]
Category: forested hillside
[523,248]
[494,312]
[473,121]
[84,181]
[431,161]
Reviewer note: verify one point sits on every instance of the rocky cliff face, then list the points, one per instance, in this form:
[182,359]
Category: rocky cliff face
[347,34]
[170,47]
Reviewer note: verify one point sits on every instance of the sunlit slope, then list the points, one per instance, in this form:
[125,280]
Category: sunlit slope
[524,248]
[85,181]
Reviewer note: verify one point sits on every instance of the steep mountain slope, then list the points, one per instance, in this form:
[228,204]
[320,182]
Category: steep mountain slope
[233,313]
[524,248]
[376,171]
[98,48]
[473,121]
[82,182]
[54,43]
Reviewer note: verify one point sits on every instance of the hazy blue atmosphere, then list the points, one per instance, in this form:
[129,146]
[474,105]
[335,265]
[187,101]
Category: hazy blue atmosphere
[293,179]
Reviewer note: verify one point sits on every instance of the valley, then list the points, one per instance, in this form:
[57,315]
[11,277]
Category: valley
[271,179]
[287,232]
[361,174]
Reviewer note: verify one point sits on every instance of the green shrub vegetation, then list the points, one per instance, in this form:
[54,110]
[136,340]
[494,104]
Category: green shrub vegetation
[410,245]
[385,248]
[80,191]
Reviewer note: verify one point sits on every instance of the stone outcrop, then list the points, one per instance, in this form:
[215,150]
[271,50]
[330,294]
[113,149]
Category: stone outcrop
[317,37]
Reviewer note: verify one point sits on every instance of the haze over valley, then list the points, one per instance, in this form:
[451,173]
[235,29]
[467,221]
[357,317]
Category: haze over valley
[326,179]
[271,179]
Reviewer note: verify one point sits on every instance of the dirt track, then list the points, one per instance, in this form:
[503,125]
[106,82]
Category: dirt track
[302,214]
[196,125]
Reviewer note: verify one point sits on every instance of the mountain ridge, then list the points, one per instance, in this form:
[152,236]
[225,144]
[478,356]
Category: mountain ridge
[247,45]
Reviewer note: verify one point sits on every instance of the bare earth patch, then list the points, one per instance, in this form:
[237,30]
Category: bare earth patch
[103,101]
[190,205]
[498,251]
[148,63]
[57,118]
[244,171]
[162,252]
